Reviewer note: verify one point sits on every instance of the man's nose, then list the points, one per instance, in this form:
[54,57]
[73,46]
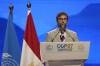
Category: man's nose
[62,21]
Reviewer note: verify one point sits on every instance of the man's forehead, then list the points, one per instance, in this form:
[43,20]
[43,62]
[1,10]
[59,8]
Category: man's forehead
[63,16]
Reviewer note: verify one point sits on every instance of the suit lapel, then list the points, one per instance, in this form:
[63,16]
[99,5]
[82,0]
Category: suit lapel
[58,36]
[68,38]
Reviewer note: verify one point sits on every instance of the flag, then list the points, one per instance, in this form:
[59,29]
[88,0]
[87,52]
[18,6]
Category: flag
[11,51]
[31,46]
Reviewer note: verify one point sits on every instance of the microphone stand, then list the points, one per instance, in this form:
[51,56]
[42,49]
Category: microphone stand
[70,36]
[55,36]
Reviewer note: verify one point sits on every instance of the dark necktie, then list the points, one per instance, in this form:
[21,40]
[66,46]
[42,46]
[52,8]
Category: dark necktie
[62,36]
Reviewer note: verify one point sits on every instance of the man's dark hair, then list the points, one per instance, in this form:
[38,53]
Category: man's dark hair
[61,13]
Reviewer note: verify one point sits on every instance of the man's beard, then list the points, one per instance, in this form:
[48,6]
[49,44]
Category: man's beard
[62,27]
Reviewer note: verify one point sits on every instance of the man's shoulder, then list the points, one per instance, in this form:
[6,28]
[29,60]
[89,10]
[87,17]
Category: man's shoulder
[52,31]
[70,31]
[56,30]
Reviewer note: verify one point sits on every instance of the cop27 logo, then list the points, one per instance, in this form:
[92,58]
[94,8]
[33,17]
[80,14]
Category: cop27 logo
[65,46]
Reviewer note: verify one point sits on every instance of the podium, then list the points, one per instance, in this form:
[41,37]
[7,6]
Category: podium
[64,53]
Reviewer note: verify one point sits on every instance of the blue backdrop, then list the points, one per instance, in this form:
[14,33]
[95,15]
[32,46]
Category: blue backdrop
[84,18]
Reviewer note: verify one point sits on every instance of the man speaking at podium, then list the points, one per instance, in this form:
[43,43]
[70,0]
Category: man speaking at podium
[61,33]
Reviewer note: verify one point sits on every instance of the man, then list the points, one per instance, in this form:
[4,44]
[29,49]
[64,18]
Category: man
[61,34]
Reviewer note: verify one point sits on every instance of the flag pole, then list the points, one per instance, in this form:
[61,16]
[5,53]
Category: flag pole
[28,5]
[11,7]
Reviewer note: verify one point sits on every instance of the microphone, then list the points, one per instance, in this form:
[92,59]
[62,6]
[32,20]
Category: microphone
[70,36]
[55,36]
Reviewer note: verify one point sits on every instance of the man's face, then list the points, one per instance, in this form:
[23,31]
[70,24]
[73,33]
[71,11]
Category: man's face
[62,20]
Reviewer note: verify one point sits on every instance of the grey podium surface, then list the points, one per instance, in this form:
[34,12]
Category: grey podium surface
[65,53]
